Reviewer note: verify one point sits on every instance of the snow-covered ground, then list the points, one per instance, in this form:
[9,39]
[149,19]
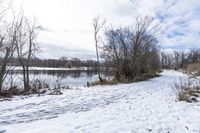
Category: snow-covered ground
[143,107]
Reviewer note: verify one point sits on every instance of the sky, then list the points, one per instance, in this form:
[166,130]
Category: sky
[67,24]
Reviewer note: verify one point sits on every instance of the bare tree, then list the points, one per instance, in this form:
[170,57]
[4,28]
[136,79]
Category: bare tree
[26,46]
[194,55]
[2,9]
[167,60]
[7,48]
[133,51]
[184,59]
[18,36]
[97,25]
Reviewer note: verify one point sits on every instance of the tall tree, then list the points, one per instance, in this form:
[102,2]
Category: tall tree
[26,46]
[7,46]
[97,25]
[133,50]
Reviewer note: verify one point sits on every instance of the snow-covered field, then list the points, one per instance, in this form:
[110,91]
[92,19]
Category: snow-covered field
[143,107]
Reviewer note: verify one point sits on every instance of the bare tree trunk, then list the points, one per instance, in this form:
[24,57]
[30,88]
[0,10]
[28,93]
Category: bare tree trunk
[24,71]
[97,27]
[25,49]
[9,49]
[28,60]
[97,54]
[3,70]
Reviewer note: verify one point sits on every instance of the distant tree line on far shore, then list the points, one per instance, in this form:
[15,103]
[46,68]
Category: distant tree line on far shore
[63,62]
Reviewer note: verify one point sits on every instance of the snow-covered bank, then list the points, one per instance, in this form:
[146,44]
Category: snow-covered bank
[148,106]
[49,68]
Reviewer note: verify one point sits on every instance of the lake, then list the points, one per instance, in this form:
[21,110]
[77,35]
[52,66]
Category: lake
[71,78]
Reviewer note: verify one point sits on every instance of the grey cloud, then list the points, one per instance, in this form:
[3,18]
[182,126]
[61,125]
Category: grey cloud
[56,51]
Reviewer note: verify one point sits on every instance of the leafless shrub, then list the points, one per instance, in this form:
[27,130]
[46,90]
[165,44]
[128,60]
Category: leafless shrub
[187,90]
[14,90]
[39,86]
[57,89]
[11,91]
[181,90]
[103,82]
[132,50]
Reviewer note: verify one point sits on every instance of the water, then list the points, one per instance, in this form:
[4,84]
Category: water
[72,78]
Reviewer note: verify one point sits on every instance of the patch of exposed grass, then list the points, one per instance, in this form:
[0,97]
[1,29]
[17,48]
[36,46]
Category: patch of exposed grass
[114,81]
[187,90]
[193,68]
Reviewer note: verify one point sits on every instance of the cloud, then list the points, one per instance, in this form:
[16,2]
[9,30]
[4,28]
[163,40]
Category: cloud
[68,23]
[180,24]
[58,51]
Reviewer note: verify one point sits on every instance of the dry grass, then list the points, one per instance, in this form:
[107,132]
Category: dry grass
[143,77]
[187,90]
[105,82]
[36,87]
[182,92]
[193,68]
[12,91]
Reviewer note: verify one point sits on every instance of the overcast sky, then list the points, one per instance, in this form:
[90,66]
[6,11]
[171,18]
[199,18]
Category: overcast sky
[67,24]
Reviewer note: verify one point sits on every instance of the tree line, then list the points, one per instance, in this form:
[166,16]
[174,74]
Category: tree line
[179,59]
[63,62]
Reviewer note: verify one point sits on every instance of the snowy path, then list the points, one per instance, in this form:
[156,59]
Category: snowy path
[147,106]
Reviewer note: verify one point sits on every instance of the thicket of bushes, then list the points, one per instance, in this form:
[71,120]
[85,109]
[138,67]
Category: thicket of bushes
[188,89]
[132,51]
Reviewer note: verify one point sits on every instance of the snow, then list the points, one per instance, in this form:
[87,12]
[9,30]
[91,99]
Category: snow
[142,107]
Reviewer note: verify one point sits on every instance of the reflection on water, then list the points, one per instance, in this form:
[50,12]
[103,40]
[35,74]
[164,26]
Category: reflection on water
[66,78]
